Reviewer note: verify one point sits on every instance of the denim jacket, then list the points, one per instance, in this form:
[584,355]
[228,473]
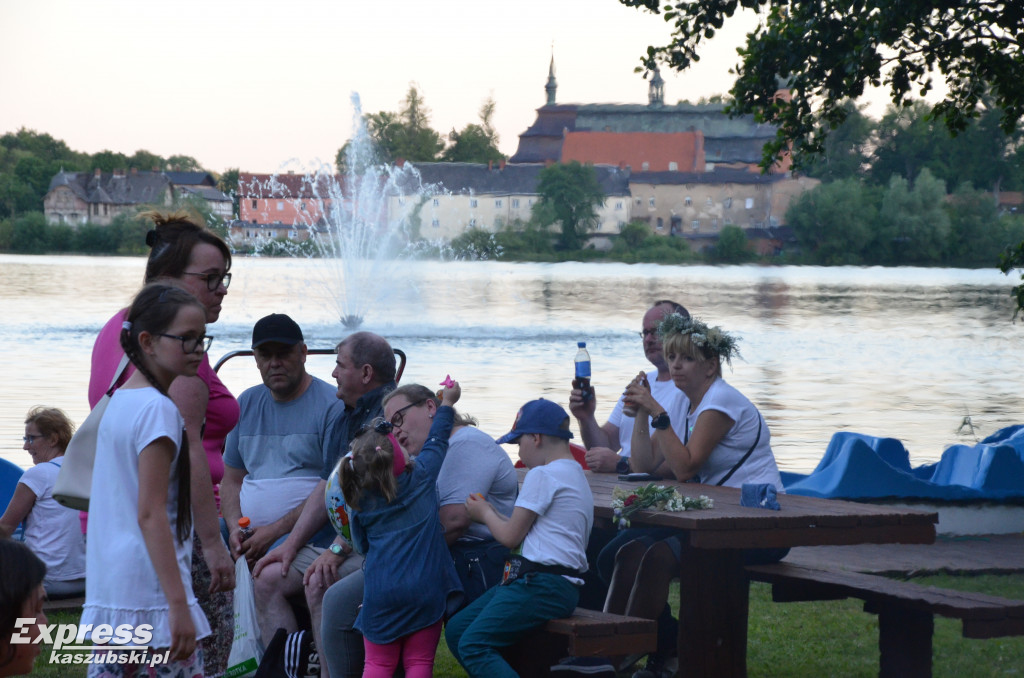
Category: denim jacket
[410,580]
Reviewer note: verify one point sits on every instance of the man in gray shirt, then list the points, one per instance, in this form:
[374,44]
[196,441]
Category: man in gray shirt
[273,460]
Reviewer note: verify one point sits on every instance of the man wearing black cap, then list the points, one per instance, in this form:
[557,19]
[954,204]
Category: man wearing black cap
[273,458]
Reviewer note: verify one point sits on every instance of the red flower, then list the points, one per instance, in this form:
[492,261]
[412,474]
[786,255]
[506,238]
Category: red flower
[629,500]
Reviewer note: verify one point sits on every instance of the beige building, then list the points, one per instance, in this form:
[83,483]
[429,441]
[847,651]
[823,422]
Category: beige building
[447,199]
[696,206]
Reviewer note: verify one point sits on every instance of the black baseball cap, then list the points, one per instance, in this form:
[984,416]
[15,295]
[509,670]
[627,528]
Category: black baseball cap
[276,327]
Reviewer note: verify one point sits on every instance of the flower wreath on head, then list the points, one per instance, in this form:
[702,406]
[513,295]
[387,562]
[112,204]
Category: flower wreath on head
[652,497]
[714,339]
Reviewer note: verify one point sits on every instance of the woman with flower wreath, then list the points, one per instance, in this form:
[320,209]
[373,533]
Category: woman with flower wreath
[714,436]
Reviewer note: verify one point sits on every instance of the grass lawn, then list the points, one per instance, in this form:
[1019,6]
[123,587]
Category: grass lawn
[812,640]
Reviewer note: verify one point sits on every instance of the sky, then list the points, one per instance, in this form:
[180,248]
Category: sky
[266,86]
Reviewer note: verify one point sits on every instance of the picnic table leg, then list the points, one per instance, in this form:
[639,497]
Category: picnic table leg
[713,603]
[904,642]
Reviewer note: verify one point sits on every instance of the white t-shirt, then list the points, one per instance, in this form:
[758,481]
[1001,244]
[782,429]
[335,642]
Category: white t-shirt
[667,395]
[560,496]
[121,586]
[760,466]
[52,531]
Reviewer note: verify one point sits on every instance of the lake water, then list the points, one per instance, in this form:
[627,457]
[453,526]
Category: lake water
[901,352]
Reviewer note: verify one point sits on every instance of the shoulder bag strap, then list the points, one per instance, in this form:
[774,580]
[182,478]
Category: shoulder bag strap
[121,366]
[745,456]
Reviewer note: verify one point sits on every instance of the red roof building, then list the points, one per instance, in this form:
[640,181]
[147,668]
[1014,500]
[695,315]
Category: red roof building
[640,151]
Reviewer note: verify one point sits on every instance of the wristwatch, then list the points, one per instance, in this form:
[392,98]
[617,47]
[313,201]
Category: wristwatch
[661,421]
[337,550]
[622,467]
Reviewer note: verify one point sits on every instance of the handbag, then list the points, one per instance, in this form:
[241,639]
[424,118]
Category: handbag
[74,480]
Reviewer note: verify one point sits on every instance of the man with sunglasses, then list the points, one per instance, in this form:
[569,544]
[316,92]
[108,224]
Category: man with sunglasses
[608,445]
[365,373]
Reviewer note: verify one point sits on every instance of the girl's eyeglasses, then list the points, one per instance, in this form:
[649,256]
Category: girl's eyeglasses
[191,344]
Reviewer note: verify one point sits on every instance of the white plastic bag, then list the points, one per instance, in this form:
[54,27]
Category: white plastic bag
[246,649]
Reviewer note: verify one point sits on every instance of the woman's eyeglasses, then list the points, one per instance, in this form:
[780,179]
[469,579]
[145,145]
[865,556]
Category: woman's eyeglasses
[213,280]
[30,439]
[190,344]
[398,418]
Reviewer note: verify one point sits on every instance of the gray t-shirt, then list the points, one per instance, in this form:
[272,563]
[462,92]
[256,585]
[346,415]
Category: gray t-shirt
[475,463]
[280,440]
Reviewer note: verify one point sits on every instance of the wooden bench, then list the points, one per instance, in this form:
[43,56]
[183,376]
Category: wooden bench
[587,633]
[61,604]
[905,610]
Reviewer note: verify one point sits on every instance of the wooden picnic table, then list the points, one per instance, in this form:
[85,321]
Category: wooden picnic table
[714,587]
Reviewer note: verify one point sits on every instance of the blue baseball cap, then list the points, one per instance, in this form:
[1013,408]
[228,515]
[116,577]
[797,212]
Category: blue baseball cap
[538,416]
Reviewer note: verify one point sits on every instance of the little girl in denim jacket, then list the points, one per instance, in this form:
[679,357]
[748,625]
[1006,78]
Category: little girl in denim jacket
[411,584]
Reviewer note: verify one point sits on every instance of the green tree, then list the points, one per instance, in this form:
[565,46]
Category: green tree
[16,196]
[108,161]
[732,246]
[41,145]
[984,155]
[832,222]
[183,163]
[828,51]
[227,183]
[569,196]
[907,141]
[144,161]
[633,234]
[976,236]
[475,143]
[476,244]
[913,222]
[530,241]
[845,151]
[30,234]
[405,134]
[28,160]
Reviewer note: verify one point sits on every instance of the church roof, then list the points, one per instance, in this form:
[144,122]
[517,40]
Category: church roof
[636,150]
[726,139]
[477,178]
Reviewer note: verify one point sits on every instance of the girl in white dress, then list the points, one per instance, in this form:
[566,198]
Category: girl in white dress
[138,554]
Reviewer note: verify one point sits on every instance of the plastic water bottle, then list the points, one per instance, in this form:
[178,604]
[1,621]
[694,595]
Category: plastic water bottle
[582,380]
[243,526]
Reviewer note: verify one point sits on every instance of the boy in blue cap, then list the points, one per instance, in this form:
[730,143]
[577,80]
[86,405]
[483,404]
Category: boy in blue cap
[547,532]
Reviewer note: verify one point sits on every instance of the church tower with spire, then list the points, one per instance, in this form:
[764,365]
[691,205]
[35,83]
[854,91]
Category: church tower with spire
[656,91]
[552,85]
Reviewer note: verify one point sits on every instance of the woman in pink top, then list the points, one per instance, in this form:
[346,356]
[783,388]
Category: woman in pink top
[186,253]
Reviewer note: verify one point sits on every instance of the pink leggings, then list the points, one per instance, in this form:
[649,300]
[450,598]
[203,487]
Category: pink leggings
[416,651]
